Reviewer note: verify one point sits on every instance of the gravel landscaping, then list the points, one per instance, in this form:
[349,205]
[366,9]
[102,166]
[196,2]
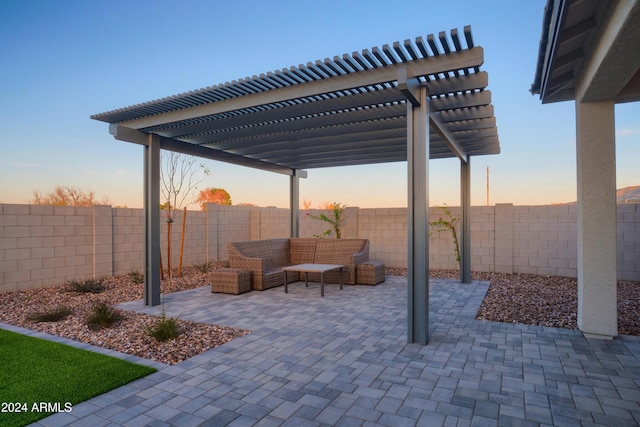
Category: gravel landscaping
[513,298]
[542,300]
[130,333]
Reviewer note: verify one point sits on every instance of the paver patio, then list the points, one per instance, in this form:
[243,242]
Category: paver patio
[343,360]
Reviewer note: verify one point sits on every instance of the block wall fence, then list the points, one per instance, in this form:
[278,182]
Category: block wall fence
[43,246]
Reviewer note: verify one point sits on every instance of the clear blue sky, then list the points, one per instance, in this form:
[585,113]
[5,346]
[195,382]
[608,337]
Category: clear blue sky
[65,60]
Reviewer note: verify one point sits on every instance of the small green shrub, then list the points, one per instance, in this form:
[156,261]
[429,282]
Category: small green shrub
[93,286]
[335,222]
[54,315]
[136,276]
[165,328]
[448,224]
[102,316]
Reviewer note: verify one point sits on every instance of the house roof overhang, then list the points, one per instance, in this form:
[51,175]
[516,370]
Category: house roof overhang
[348,110]
[589,51]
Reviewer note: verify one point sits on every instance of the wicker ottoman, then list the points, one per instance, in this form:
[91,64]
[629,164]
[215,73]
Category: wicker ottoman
[231,281]
[370,273]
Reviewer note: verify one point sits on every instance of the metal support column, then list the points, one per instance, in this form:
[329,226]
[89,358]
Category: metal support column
[418,220]
[152,221]
[465,229]
[294,204]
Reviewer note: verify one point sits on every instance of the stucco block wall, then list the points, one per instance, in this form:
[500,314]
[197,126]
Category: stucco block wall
[269,223]
[629,242]
[483,238]
[128,240]
[386,229]
[545,240]
[44,245]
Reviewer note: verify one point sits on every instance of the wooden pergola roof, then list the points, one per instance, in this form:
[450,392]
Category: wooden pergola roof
[348,110]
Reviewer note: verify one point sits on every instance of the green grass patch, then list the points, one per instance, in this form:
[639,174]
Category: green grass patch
[54,376]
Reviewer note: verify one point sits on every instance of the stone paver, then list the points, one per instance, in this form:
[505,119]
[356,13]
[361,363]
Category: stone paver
[343,360]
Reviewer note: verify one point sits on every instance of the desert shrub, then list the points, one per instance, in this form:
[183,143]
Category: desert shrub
[336,221]
[93,286]
[136,276]
[203,267]
[102,316]
[448,224]
[54,315]
[165,328]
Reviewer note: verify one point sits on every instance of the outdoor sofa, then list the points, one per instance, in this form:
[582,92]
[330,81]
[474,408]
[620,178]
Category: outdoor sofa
[265,258]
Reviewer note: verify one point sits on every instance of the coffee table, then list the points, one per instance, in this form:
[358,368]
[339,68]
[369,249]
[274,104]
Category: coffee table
[312,268]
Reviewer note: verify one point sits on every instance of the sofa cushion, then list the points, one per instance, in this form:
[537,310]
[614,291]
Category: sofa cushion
[279,253]
[303,250]
[337,251]
[255,249]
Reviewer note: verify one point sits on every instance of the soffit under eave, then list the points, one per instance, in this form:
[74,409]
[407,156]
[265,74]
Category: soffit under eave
[597,43]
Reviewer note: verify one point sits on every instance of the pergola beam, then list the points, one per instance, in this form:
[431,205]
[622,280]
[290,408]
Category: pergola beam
[466,125]
[411,89]
[274,147]
[347,134]
[467,113]
[313,122]
[447,137]
[124,133]
[420,67]
[281,113]
[466,100]
[409,86]
[459,84]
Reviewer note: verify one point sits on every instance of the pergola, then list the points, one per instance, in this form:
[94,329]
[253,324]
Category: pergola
[411,101]
[590,53]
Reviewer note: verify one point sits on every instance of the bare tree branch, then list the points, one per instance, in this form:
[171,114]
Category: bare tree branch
[180,177]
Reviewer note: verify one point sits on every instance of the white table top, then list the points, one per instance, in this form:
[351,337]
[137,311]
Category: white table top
[313,268]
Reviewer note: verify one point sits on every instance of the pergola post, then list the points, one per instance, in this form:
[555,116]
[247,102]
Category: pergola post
[597,219]
[294,203]
[418,220]
[152,221]
[465,229]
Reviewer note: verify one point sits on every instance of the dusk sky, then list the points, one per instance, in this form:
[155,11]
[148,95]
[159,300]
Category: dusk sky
[65,60]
